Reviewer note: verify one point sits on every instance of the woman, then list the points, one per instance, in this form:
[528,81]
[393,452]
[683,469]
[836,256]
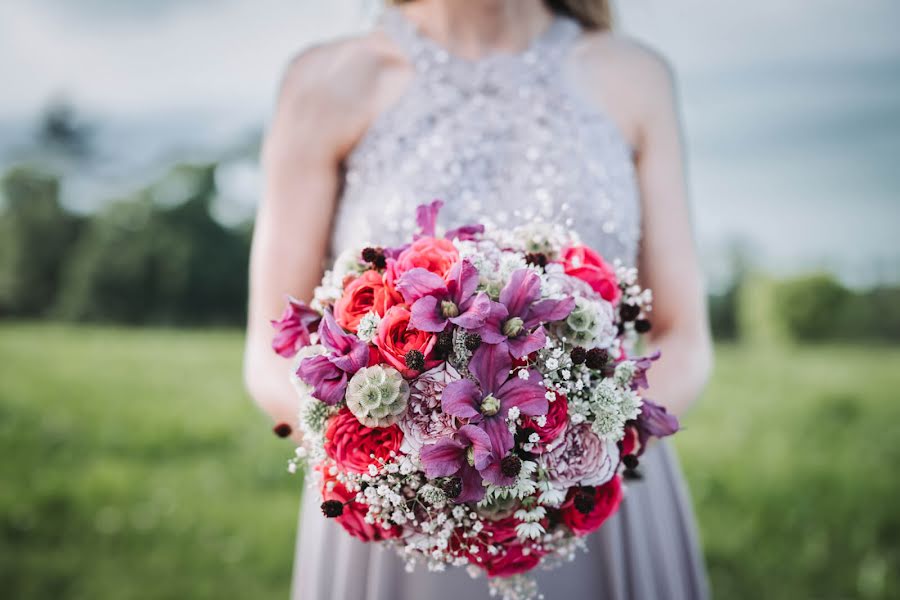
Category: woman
[508,110]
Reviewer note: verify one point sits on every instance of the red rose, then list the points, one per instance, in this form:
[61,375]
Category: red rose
[433,254]
[630,442]
[555,425]
[350,443]
[514,557]
[395,338]
[587,265]
[353,518]
[370,291]
[605,499]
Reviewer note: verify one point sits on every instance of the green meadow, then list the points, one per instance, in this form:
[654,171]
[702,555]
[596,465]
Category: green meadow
[134,466]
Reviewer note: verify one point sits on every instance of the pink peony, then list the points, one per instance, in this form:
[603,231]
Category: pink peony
[351,444]
[396,338]
[370,291]
[582,458]
[432,254]
[557,419]
[599,503]
[424,421]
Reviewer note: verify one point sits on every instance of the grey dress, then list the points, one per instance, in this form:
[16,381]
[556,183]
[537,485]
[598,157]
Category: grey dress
[506,139]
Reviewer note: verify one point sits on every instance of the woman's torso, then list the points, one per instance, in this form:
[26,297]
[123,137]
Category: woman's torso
[505,140]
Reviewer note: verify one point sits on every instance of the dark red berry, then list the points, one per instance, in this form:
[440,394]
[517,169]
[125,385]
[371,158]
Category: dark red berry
[629,312]
[452,487]
[632,474]
[631,461]
[538,259]
[332,508]
[642,326]
[596,358]
[380,262]
[511,465]
[415,360]
[584,501]
[473,341]
[578,355]
[369,254]
[282,430]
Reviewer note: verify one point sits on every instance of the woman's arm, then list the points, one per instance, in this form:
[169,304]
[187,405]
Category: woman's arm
[301,158]
[668,259]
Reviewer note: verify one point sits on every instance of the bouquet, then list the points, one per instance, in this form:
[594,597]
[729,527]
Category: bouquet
[472,399]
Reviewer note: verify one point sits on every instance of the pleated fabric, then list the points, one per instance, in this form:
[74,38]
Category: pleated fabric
[649,550]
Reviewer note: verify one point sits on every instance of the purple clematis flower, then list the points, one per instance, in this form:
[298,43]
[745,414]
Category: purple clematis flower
[426,219]
[328,374]
[654,421]
[516,320]
[436,302]
[486,403]
[465,455]
[643,364]
[294,328]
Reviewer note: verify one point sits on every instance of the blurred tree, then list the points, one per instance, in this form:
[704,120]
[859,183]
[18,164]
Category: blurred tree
[143,262]
[36,235]
[812,308]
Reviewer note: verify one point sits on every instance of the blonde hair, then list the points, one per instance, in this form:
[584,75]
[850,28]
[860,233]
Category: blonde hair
[591,14]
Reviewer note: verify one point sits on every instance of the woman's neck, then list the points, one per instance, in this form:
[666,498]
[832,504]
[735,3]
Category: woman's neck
[475,28]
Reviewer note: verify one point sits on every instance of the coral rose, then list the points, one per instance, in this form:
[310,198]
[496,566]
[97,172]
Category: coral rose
[371,291]
[587,265]
[602,501]
[351,444]
[395,338]
[432,254]
[353,517]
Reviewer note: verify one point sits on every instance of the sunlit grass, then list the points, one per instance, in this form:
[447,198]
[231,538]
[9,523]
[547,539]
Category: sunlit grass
[134,466]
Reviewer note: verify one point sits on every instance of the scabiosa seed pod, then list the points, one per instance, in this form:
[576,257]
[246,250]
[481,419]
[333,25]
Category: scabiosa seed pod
[642,325]
[377,395]
[452,487]
[511,465]
[584,500]
[282,430]
[332,508]
[578,355]
[596,358]
[630,461]
[415,360]
[369,254]
[444,344]
[380,262]
[473,341]
[539,259]
[629,312]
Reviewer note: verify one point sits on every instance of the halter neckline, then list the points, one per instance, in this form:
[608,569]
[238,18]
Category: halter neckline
[414,41]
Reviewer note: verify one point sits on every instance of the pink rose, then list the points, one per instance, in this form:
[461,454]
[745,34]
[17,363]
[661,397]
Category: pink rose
[370,291]
[351,444]
[587,265]
[586,508]
[353,517]
[433,254]
[395,338]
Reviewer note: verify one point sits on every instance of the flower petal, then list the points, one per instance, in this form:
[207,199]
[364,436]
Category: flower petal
[333,337]
[523,288]
[655,421]
[463,281]
[419,282]
[478,439]
[461,399]
[466,232]
[524,345]
[490,365]
[495,475]
[492,330]
[472,488]
[501,438]
[547,311]
[426,218]
[475,313]
[443,458]
[425,316]
[529,396]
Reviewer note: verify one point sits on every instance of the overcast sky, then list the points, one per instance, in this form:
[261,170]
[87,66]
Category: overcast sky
[792,109]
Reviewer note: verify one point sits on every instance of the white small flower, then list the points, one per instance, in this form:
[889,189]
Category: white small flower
[523,374]
[514,413]
[534,438]
[529,531]
[541,420]
[550,395]
[368,326]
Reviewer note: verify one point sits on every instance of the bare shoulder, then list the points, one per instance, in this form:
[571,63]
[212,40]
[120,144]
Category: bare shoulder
[629,80]
[339,85]
[628,63]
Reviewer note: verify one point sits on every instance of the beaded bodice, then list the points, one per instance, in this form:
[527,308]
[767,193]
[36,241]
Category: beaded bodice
[504,140]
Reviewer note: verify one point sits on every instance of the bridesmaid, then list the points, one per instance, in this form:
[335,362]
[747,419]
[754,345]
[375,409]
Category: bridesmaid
[508,110]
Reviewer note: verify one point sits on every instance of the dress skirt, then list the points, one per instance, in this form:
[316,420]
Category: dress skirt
[649,550]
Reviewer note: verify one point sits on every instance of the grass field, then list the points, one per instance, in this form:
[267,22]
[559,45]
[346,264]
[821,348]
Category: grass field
[133,466]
